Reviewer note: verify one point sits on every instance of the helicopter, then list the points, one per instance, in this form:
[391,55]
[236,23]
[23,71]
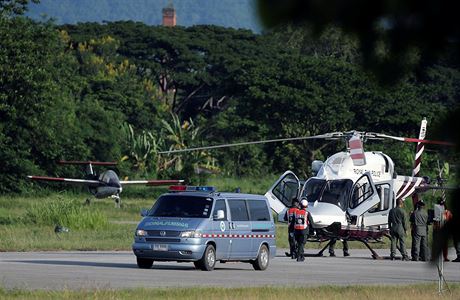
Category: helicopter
[351,193]
[106,184]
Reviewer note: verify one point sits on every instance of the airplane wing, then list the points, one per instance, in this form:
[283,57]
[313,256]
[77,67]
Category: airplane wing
[66,180]
[153,182]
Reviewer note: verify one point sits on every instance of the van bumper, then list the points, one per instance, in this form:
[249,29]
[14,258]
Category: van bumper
[174,252]
[272,251]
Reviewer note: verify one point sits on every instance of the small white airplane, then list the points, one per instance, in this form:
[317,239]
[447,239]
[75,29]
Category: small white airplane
[106,184]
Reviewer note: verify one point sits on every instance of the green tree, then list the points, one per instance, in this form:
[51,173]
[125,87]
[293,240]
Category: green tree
[37,115]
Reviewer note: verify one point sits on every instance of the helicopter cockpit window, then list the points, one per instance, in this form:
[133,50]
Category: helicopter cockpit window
[286,190]
[336,192]
[312,189]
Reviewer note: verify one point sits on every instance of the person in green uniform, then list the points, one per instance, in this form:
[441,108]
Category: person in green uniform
[419,222]
[397,226]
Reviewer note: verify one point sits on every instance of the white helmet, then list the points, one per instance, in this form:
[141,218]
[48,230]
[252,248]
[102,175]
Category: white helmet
[304,203]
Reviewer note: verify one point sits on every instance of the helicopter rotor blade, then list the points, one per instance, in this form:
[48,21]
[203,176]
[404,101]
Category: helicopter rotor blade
[321,136]
[372,135]
[327,136]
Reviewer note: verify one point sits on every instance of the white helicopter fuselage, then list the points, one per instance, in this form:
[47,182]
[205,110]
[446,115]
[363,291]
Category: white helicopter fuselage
[340,165]
[341,191]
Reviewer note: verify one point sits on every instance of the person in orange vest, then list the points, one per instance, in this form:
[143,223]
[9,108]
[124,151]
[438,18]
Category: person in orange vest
[290,218]
[303,220]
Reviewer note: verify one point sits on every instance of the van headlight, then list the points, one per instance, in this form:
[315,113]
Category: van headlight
[190,234]
[141,232]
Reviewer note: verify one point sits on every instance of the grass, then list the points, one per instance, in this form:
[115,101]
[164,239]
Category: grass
[27,222]
[418,292]
[43,238]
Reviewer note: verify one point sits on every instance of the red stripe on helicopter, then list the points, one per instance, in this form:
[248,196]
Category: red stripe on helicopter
[404,186]
[408,187]
[414,140]
[418,156]
[357,151]
[357,233]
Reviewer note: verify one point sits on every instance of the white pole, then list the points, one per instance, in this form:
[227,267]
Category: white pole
[441,259]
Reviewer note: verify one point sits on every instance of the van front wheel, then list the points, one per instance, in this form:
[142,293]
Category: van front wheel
[208,261]
[144,263]
[262,260]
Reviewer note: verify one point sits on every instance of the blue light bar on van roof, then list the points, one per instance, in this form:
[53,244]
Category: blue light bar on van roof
[201,188]
[190,188]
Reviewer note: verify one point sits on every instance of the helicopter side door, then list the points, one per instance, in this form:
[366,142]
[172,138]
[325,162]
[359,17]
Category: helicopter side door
[280,195]
[378,214]
[362,198]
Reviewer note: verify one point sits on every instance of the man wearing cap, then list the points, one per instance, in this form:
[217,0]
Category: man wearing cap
[419,225]
[303,220]
[290,218]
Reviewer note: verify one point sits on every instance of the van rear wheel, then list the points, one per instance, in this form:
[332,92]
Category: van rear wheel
[262,260]
[144,263]
[208,261]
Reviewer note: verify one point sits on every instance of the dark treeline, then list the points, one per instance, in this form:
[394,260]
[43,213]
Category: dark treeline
[123,91]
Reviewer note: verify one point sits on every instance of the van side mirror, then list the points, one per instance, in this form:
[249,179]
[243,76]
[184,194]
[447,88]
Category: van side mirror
[144,212]
[219,215]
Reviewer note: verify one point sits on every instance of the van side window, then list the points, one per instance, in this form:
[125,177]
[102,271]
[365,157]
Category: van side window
[258,210]
[238,210]
[220,205]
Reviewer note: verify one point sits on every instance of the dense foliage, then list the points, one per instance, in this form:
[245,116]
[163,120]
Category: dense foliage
[124,91]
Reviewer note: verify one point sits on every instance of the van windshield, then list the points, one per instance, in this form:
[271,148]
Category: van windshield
[182,207]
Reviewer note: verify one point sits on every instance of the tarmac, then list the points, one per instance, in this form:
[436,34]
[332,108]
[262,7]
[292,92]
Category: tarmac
[118,270]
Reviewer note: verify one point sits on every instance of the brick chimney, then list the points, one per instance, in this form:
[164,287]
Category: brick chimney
[169,15]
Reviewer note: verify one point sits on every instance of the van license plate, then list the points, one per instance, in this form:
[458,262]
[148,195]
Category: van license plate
[160,247]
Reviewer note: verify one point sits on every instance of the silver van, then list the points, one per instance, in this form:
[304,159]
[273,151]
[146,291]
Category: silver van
[203,226]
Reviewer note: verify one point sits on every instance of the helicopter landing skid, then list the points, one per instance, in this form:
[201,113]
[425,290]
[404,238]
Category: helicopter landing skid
[374,254]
